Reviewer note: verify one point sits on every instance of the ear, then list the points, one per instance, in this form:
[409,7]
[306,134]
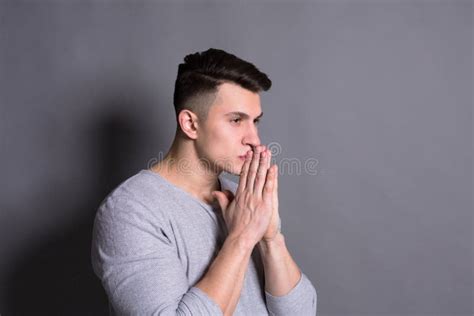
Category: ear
[188,121]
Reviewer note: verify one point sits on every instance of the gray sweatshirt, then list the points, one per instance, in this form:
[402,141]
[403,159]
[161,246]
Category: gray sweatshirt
[153,241]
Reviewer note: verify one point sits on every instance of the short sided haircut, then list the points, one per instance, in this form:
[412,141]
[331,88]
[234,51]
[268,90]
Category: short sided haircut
[201,74]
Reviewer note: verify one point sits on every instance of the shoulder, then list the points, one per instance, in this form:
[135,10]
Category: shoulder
[142,193]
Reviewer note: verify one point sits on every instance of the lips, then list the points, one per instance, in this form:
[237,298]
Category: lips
[244,154]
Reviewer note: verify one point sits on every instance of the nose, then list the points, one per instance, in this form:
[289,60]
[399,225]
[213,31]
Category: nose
[251,138]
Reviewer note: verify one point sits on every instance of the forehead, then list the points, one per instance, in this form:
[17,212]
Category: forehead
[233,98]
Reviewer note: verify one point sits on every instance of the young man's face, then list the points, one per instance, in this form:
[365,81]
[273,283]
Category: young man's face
[227,135]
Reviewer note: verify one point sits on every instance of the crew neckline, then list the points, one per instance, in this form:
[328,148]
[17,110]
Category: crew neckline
[182,191]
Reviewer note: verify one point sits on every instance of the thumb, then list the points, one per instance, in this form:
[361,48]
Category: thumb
[223,198]
[229,195]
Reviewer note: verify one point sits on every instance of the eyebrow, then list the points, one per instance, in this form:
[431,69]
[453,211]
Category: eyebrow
[244,115]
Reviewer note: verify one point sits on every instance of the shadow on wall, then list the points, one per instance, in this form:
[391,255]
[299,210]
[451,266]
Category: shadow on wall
[55,276]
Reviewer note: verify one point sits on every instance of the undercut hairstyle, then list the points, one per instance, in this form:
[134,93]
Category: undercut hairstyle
[201,74]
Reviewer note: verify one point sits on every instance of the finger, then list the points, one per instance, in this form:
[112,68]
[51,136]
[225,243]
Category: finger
[244,172]
[253,169]
[261,173]
[275,185]
[222,199]
[229,195]
[269,158]
[275,198]
[275,189]
[268,188]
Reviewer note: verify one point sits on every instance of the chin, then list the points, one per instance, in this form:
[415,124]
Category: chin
[233,172]
[234,169]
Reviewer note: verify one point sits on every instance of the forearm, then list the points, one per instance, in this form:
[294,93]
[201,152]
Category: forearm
[224,278]
[237,289]
[281,271]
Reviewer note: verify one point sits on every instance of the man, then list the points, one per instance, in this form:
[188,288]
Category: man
[180,239]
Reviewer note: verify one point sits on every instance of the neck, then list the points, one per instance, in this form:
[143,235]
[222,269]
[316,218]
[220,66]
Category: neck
[182,167]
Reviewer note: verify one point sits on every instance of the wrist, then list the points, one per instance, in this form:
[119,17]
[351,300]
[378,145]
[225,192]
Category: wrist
[269,245]
[242,243]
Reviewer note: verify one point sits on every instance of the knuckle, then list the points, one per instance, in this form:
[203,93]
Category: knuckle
[268,187]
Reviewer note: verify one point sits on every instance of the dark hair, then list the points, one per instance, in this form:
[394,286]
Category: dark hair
[201,74]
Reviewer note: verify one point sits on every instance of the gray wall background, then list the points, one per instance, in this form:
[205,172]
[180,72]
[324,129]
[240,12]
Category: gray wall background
[379,92]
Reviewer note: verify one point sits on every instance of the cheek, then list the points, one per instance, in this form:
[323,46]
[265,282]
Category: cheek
[222,144]
[224,135]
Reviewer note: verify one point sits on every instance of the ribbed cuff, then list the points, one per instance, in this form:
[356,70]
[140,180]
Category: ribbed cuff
[301,300]
[210,307]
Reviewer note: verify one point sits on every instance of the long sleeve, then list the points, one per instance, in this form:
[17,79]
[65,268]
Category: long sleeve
[138,264]
[301,300]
